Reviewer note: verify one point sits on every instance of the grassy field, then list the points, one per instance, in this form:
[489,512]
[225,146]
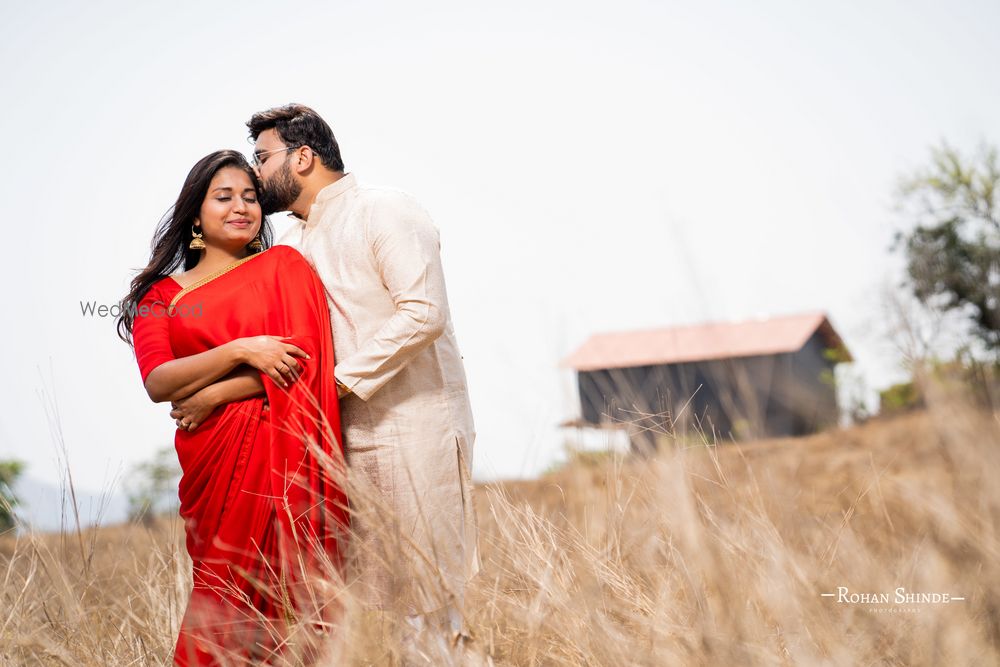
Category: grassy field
[703,555]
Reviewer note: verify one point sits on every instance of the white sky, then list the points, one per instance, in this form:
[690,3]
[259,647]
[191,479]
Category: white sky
[591,166]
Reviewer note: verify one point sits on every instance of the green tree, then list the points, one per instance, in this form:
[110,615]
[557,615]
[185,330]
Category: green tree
[9,472]
[953,254]
[151,487]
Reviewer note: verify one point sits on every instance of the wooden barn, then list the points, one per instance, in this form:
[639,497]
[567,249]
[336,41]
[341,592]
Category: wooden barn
[760,378]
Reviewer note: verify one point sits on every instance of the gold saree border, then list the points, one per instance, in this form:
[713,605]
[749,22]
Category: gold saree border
[207,279]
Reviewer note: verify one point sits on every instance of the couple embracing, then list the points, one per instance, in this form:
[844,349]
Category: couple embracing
[323,424]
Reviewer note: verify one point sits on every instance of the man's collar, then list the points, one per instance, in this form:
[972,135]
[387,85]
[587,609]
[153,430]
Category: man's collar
[332,191]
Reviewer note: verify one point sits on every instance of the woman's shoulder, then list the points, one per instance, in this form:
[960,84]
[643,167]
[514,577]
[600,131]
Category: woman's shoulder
[284,263]
[281,250]
[284,255]
[164,287]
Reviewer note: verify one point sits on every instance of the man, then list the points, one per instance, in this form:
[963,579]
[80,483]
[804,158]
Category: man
[408,429]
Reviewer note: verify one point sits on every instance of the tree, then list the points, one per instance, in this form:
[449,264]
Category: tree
[151,488]
[9,472]
[953,254]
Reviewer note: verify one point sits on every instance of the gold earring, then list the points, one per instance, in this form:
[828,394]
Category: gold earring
[196,242]
[256,245]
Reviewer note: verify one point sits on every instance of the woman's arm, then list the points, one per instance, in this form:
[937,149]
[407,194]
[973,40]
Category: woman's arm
[191,412]
[182,377]
[243,382]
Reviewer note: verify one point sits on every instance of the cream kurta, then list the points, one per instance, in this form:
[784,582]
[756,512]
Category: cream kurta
[408,426]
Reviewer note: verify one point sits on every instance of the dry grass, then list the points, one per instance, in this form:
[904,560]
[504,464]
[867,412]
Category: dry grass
[702,556]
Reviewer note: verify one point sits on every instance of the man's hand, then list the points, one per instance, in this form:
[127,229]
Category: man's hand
[189,413]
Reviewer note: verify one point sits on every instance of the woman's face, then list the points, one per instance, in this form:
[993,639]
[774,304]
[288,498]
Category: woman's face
[230,215]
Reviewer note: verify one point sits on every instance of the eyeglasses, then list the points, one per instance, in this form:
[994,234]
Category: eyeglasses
[260,158]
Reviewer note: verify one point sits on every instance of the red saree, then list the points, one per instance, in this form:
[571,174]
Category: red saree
[262,487]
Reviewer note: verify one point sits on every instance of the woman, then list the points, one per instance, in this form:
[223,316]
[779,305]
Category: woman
[240,342]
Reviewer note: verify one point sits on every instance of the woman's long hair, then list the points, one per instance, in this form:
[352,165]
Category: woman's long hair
[173,235]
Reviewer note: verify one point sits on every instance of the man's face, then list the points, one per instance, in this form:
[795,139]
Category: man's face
[280,186]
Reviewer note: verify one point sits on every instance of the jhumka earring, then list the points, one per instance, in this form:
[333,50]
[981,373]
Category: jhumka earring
[256,245]
[196,242]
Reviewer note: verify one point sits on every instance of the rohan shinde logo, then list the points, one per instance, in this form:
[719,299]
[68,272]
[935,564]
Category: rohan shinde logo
[900,596]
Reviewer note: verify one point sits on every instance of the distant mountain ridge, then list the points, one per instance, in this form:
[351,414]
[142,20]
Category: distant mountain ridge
[47,507]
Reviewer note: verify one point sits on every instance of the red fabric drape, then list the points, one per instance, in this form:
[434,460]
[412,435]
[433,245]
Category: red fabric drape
[262,487]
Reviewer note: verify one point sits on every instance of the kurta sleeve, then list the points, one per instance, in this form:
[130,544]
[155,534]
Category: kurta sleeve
[151,333]
[407,253]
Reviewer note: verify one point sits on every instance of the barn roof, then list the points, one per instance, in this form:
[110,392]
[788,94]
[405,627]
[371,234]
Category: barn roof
[702,342]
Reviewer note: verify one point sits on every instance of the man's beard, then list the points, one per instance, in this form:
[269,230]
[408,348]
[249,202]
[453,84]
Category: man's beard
[280,191]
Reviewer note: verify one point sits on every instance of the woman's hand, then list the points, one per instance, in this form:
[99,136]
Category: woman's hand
[271,356]
[191,412]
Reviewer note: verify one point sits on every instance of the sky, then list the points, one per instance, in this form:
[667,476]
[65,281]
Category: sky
[591,166]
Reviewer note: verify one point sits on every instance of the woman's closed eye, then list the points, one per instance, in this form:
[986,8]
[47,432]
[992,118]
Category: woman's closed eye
[249,200]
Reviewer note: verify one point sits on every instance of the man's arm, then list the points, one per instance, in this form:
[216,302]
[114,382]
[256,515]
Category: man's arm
[407,252]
